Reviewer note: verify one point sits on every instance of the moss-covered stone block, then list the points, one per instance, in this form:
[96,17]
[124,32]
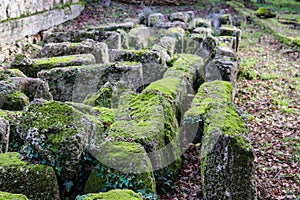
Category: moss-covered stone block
[10,196]
[153,66]
[151,119]
[11,98]
[264,13]
[33,180]
[189,67]
[115,194]
[7,73]
[226,152]
[55,62]
[122,165]
[60,135]
[178,34]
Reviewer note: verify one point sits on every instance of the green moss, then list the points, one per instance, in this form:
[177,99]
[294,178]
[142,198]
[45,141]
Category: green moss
[116,194]
[49,62]
[11,158]
[264,13]
[122,165]
[167,86]
[15,101]
[33,180]
[101,99]
[10,196]
[50,117]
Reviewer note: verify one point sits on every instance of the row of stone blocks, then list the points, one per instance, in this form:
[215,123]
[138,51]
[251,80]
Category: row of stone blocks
[139,142]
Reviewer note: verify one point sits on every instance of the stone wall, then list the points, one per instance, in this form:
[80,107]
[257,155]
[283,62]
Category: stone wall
[21,18]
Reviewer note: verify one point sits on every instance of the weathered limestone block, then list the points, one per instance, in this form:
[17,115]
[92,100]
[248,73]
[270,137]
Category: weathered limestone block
[53,62]
[224,19]
[124,39]
[7,73]
[58,135]
[14,30]
[33,88]
[121,165]
[226,152]
[150,118]
[178,34]
[75,83]
[229,31]
[203,30]
[153,66]
[187,66]
[182,16]
[4,135]
[207,48]
[98,49]
[168,43]
[138,38]
[10,196]
[33,180]
[114,26]
[11,98]
[223,67]
[155,19]
[111,38]
[199,22]
[113,194]
[194,43]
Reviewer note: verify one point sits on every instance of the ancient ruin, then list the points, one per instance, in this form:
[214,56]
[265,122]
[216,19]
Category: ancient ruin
[115,106]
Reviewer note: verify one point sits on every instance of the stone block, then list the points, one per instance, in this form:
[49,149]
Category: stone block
[124,194]
[40,64]
[121,165]
[155,19]
[153,66]
[33,180]
[98,49]
[138,38]
[4,135]
[111,38]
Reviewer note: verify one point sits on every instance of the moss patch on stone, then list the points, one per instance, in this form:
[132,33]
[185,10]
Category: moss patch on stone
[10,196]
[122,165]
[34,181]
[15,101]
[116,194]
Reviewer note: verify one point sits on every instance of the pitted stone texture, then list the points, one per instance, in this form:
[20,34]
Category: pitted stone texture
[54,62]
[138,38]
[98,49]
[111,38]
[155,19]
[33,180]
[4,135]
